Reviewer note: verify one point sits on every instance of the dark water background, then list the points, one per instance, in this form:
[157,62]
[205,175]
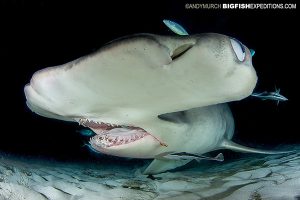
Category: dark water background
[39,34]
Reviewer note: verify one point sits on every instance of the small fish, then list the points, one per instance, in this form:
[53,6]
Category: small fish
[252,52]
[176,28]
[91,149]
[86,132]
[188,156]
[275,96]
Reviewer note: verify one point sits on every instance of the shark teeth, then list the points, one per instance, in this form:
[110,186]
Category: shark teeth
[96,125]
[109,140]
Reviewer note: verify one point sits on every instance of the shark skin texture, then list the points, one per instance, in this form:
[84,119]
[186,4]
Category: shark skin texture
[145,95]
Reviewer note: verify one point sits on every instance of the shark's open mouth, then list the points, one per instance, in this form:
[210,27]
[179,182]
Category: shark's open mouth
[108,135]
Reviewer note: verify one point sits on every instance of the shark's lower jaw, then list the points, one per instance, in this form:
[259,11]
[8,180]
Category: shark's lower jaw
[118,136]
[112,135]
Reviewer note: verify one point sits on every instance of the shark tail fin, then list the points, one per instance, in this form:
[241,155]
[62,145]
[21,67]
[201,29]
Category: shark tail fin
[227,144]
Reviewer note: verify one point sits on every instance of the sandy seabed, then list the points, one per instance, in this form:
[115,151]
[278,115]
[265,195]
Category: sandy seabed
[273,177]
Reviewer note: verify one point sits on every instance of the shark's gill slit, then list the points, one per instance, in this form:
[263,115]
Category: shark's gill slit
[174,117]
[181,50]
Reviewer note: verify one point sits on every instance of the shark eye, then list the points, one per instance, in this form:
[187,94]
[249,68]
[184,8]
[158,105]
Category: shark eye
[239,49]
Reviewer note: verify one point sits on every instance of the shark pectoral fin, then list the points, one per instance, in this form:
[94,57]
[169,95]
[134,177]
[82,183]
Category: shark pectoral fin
[159,166]
[227,144]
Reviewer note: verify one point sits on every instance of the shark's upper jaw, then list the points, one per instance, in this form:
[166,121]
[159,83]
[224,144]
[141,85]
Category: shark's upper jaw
[112,135]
